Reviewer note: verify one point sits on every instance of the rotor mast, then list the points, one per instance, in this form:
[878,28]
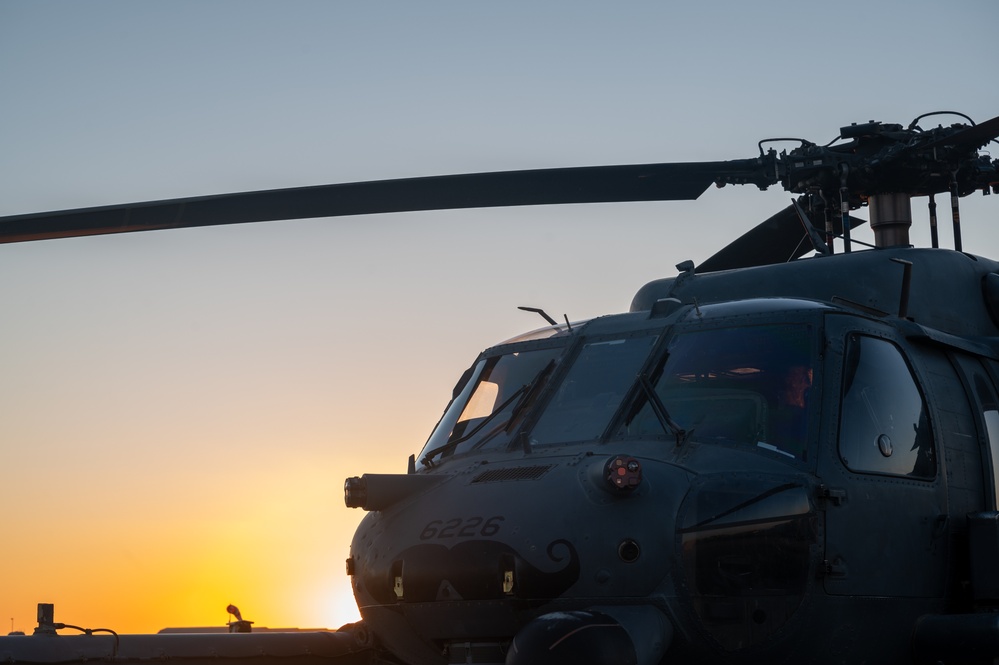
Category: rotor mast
[891,217]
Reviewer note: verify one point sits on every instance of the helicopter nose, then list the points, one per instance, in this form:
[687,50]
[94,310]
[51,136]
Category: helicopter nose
[542,552]
[598,636]
[602,523]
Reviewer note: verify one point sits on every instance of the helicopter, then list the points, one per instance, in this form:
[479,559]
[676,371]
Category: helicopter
[787,453]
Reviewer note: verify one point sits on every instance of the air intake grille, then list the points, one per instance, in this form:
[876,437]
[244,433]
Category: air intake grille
[516,473]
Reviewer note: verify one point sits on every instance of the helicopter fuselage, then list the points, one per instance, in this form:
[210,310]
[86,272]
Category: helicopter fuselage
[750,465]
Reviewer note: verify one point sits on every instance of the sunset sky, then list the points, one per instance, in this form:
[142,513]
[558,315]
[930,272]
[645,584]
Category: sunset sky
[179,409]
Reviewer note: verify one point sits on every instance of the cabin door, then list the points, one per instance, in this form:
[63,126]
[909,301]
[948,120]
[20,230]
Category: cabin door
[884,500]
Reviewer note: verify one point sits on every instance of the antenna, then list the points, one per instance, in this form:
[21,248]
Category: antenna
[903,303]
[538,310]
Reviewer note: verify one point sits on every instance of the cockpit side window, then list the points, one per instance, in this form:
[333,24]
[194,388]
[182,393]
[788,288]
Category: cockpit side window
[884,426]
[747,385]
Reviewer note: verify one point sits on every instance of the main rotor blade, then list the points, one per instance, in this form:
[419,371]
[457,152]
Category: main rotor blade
[778,239]
[649,182]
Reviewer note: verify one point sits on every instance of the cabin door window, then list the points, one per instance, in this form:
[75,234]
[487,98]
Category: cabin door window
[884,426]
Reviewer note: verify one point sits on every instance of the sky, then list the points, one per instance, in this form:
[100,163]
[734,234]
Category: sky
[179,409]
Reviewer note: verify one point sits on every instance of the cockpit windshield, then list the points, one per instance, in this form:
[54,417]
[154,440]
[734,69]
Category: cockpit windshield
[488,408]
[747,385]
[593,389]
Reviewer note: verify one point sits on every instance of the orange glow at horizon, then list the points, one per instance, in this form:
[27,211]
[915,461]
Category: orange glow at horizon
[178,455]
[278,555]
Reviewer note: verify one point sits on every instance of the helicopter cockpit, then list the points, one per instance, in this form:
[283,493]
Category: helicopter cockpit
[740,386]
[697,379]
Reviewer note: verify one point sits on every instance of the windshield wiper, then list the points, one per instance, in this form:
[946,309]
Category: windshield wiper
[524,396]
[659,409]
[451,445]
[525,401]
[530,393]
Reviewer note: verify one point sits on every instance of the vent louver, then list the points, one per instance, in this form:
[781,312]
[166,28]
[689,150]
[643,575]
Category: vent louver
[516,473]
